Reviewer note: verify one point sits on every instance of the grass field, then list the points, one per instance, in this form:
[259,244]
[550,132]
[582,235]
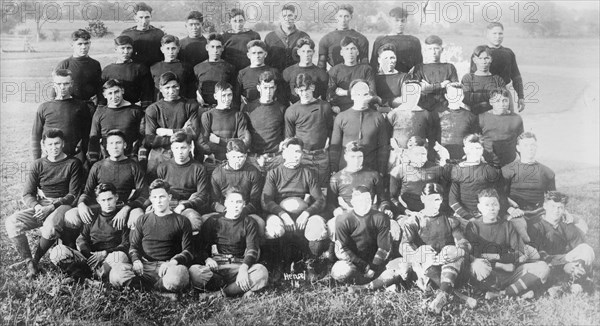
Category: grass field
[565,118]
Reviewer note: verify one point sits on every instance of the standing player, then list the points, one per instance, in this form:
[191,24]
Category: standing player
[479,84]
[408,47]
[388,80]
[236,40]
[305,49]
[193,46]
[456,122]
[281,42]
[170,48]
[329,45]
[146,38]
[212,71]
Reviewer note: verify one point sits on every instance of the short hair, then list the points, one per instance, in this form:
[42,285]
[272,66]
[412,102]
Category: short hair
[123,40]
[304,41]
[398,12]
[416,141]
[167,77]
[499,91]
[116,132]
[289,7]
[434,39]
[258,43]
[481,49]
[556,196]
[196,15]
[357,81]
[494,24]
[80,33]
[169,39]
[473,138]
[236,12]
[292,141]
[53,133]
[346,40]
[386,47]
[266,76]
[432,188]
[62,73]
[488,193]
[346,7]
[141,6]
[112,83]
[104,187]
[304,80]
[221,86]
[526,135]
[180,137]
[160,184]
[353,146]
[214,37]
[234,190]
[237,145]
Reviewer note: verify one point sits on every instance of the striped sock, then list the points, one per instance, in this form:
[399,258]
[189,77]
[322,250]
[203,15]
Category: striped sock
[523,284]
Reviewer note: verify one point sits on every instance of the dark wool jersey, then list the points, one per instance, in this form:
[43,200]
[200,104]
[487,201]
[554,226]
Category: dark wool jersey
[526,183]
[370,129]
[184,72]
[319,77]
[146,45]
[389,86]
[189,183]
[467,183]
[128,119]
[136,80]
[432,96]
[366,239]
[72,116]
[162,238]
[555,241]
[343,182]
[235,47]
[311,122]
[436,231]
[415,122]
[126,175]
[504,64]
[208,74]
[408,51]
[281,48]
[247,80]
[180,114]
[454,126]
[265,122]
[192,50]
[238,238]
[341,76]
[408,181]
[61,180]
[86,74]
[499,237]
[500,133]
[329,46]
[283,182]
[248,179]
[226,124]
[101,235]
[477,89]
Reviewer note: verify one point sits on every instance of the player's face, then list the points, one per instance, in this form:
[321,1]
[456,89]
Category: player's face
[387,61]
[107,201]
[361,202]
[142,19]
[555,211]
[527,147]
[266,90]
[354,161]
[235,159]
[257,55]
[306,54]
[398,24]
[417,156]
[124,51]
[214,49]
[194,27]
[237,23]
[349,53]
[473,151]
[81,47]
[483,61]
[62,85]
[181,152]
[53,147]
[160,199]
[170,90]
[433,52]
[306,94]
[292,155]
[343,19]
[489,208]
[114,96]
[115,146]
[495,36]
[500,104]
[234,203]
[170,51]
[432,202]
[288,18]
[224,98]
[360,94]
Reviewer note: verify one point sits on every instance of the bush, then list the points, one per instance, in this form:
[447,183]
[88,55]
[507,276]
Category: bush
[98,29]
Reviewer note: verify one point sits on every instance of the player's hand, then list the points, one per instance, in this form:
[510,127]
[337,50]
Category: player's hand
[442,152]
[164,132]
[41,212]
[336,109]
[96,258]
[199,99]
[341,92]
[162,270]
[242,279]
[288,223]
[85,213]
[214,138]
[426,254]
[388,212]
[211,263]
[180,208]
[574,269]
[515,212]
[302,220]
[120,219]
[521,104]
[451,254]
[138,268]
[444,83]
[490,257]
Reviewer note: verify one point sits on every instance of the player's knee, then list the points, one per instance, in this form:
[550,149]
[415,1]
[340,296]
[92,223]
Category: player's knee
[120,274]
[134,215]
[343,271]
[14,227]
[331,228]
[274,227]
[540,269]
[199,276]
[194,217]
[60,253]
[395,231]
[259,277]
[116,257]
[72,219]
[520,226]
[316,229]
[585,251]
[260,223]
[176,278]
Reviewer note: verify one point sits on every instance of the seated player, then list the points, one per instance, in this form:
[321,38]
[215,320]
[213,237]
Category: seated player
[169,46]
[212,71]
[233,265]
[219,125]
[193,46]
[101,245]
[117,114]
[456,122]
[161,246]
[53,183]
[500,128]
[146,38]
[562,245]
[362,241]
[236,39]
[388,80]
[434,76]
[282,40]
[188,179]
[503,265]
[478,84]
[138,86]
[305,49]
[343,74]
[164,118]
